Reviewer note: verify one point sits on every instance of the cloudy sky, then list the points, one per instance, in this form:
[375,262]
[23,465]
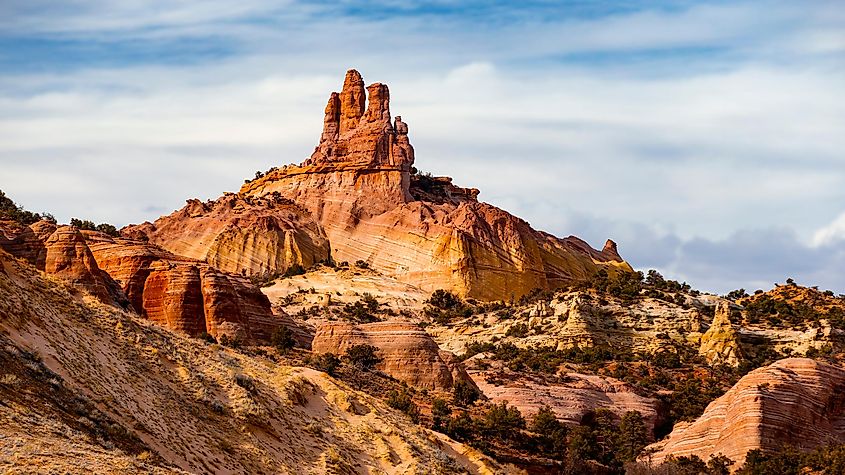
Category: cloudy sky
[706,137]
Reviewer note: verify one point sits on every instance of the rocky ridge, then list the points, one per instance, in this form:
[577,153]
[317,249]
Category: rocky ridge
[797,402]
[358,186]
[407,352]
[242,235]
[179,293]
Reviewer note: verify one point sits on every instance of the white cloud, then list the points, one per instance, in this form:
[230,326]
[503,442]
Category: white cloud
[678,161]
[832,233]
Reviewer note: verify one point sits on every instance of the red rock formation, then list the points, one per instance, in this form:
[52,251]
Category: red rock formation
[69,259]
[59,251]
[358,186]
[408,353]
[246,235]
[796,401]
[572,399]
[184,294]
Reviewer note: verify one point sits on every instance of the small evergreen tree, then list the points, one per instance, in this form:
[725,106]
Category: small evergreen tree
[363,357]
[464,393]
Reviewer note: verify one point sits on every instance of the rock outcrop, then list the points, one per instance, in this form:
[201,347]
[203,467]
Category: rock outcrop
[408,353]
[184,294]
[238,234]
[582,329]
[720,343]
[61,252]
[573,399]
[795,402]
[91,389]
[358,185]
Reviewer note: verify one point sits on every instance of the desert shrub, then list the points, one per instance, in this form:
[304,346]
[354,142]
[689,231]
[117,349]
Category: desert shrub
[217,407]
[440,413]
[625,285]
[684,465]
[464,393]
[231,342]
[245,382]
[363,357]
[545,359]
[325,362]
[402,401]
[632,437]
[461,427]
[362,311]
[666,359]
[207,338]
[84,224]
[444,306]
[282,339]
[107,228]
[502,421]
[535,295]
[294,270]
[297,390]
[735,295]
[690,396]
[13,212]
[519,330]
[444,300]
[361,264]
[551,433]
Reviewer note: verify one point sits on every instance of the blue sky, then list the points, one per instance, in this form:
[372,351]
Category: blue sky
[706,138]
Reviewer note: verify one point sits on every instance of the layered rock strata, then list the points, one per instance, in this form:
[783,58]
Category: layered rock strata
[184,294]
[240,234]
[407,352]
[795,402]
[358,185]
[573,399]
[61,252]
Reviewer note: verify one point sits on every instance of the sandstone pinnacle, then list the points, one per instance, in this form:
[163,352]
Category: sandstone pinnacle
[352,100]
[360,188]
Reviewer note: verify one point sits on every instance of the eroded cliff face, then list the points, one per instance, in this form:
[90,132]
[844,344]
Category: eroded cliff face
[177,292]
[408,353]
[184,294]
[62,253]
[240,234]
[795,402]
[358,185]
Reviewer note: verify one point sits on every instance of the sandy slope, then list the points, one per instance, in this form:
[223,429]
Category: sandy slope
[179,403]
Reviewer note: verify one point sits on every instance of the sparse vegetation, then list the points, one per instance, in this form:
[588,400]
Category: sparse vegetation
[245,382]
[440,414]
[325,362]
[444,307]
[402,401]
[363,357]
[282,339]
[362,311]
[464,393]
[88,225]
[14,212]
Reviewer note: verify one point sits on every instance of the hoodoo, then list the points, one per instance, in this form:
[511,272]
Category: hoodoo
[361,187]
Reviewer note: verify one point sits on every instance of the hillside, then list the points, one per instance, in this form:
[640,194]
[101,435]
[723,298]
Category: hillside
[85,384]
